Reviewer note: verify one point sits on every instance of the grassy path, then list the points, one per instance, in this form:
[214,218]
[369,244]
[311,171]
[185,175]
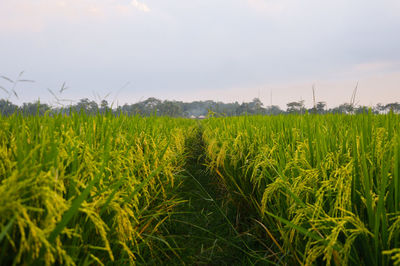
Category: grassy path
[203,228]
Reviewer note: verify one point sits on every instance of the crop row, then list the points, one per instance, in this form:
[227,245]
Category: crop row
[321,189]
[88,189]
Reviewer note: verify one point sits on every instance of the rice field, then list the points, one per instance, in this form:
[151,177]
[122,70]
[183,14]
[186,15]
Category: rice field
[323,189]
[88,190]
[106,189]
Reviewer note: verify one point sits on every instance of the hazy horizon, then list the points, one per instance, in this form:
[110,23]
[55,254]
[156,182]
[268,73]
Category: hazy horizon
[225,51]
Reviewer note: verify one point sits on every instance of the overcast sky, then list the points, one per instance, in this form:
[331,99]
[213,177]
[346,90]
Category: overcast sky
[226,50]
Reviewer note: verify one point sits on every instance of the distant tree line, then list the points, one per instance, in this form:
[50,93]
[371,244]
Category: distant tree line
[196,109]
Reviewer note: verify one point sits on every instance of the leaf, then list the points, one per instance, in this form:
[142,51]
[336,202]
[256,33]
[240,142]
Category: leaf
[8,79]
[6,228]
[72,210]
[2,88]
[52,93]
[15,93]
[63,87]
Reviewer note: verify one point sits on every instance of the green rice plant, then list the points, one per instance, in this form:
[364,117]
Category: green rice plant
[85,189]
[100,189]
[325,189]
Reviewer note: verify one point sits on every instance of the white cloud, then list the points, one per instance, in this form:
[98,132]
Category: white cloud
[140,6]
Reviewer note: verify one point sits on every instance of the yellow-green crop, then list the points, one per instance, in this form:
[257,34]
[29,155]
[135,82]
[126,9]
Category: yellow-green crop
[88,189]
[310,189]
[324,189]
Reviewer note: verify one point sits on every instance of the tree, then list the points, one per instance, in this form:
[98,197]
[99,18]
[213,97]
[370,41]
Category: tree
[7,107]
[35,108]
[380,108]
[256,106]
[273,110]
[295,107]
[243,109]
[170,108]
[361,109]
[345,108]
[321,107]
[104,107]
[394,107]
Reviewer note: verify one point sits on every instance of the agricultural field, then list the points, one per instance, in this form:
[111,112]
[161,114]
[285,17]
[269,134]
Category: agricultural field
[88,190]
[324,189]
[263,190]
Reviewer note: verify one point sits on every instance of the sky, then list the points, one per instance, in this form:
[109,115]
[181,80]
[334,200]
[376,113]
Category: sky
[125,51]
